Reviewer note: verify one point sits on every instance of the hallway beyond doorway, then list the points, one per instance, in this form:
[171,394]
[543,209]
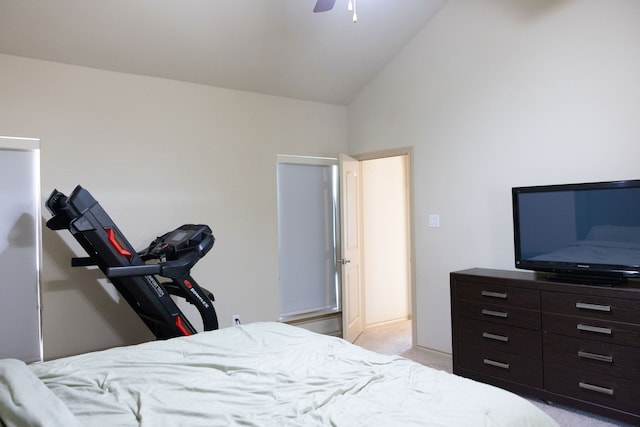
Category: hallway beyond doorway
[391,338]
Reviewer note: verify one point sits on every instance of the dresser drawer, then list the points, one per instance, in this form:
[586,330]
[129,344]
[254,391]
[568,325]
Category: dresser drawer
[613,309]
[497,294]
[504,315]
[504,338]
[593,356]
[592,329]
[601,389]
[510,367]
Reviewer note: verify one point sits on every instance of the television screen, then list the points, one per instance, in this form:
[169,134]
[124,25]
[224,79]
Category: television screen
[579,230]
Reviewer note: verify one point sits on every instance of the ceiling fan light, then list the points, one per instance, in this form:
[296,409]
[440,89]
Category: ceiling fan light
[350,6]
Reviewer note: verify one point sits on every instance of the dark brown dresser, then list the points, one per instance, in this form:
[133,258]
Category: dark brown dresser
[572,344]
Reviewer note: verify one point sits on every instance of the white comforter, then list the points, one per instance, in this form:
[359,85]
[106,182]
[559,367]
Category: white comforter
[262,374]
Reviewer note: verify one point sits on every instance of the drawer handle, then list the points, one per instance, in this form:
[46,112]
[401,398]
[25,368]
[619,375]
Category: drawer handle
[496,364]
[595,356]
[495,337]
[596,329]
[597,389]
[490,294]
[501,314]
[593,307]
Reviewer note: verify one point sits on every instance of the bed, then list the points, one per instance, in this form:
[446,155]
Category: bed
[259,374]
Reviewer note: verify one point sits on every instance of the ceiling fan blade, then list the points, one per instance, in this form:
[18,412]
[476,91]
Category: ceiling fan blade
[324,5]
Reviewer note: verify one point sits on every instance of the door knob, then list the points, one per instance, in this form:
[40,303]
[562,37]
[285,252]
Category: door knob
[344,261]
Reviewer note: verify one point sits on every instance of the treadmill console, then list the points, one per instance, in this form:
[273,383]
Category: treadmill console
[188,238]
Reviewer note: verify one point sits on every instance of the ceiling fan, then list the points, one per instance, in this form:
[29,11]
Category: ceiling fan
[326,5]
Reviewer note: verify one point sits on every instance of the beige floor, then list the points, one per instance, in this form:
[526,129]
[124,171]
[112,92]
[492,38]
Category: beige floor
[389,338]
[395,338]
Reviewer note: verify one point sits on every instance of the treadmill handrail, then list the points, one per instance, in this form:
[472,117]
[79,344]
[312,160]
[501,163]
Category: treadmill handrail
[133,270]
[175,269]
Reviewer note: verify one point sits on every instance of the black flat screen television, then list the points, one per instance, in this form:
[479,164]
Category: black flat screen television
[584,233]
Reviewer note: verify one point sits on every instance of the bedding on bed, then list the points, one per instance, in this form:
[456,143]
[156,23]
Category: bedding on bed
[260,374]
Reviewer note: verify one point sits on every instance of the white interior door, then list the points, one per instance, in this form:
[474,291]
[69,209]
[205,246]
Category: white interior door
[350,245]
[20,249]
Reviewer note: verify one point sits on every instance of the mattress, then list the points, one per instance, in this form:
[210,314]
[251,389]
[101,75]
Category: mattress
[259,374]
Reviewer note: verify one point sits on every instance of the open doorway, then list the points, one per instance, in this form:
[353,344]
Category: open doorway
[387,246]
[386,294]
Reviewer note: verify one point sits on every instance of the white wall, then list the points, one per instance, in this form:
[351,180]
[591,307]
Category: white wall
[156,154]
[386,247]
[494,94]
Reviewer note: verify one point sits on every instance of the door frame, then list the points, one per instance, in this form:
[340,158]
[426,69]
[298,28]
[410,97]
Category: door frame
[328,320]
[395,152]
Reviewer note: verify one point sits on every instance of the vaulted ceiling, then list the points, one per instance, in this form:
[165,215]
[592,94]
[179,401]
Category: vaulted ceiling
[276,47]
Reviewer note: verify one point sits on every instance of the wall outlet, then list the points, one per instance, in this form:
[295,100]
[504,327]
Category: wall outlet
[235,319]
[434,220]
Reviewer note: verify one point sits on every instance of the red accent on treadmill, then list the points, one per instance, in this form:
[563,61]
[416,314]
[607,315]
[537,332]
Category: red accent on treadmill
[181,326]
[111,235]
[187,284]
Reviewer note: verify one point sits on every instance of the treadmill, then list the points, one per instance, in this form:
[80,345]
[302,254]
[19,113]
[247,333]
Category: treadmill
[136,274]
